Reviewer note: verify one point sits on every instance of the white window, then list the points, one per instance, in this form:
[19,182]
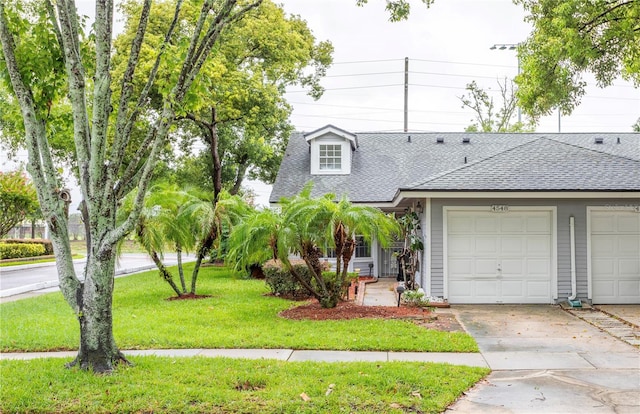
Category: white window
[330,157]
[363,248]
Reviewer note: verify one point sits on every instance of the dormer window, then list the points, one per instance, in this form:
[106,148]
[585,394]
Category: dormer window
[330,157]
[331,150]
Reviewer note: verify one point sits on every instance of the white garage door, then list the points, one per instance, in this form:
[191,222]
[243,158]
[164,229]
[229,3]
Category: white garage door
[615,256]
[499,257]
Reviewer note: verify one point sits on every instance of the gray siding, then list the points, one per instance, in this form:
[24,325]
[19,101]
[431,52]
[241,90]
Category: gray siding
[565,208]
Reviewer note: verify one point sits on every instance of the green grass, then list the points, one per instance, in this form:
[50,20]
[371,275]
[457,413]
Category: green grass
[218,385]
[238,315]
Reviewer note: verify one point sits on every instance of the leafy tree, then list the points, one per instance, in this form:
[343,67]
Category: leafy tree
[569,38]
[44,59]
[237,106]
[487,119]
[398,9]
[636,126]
[18,200]
[304,225]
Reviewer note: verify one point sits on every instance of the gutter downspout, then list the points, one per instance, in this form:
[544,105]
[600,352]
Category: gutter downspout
[572,241]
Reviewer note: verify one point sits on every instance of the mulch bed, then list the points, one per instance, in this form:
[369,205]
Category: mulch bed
[188,296]
[349,310]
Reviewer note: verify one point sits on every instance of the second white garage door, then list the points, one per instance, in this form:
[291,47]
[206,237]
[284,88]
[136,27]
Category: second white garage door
[503,257]
[615,256]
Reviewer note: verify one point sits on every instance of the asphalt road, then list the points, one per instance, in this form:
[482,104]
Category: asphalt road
[15,280]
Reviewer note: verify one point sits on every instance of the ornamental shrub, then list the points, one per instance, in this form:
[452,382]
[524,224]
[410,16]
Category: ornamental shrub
[283,283]
[18,250]
[48,246]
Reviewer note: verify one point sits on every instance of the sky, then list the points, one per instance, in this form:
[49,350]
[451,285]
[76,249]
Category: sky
[448,46]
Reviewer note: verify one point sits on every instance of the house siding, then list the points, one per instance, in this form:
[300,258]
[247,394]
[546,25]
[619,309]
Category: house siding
[565,209]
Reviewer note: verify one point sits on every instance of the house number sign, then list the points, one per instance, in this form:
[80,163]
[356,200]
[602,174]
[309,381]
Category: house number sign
[499,208]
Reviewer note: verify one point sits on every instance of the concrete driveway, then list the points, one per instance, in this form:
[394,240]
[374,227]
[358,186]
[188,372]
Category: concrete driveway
[545,360]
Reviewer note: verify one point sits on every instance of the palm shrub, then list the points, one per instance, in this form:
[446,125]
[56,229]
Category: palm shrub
[303,225]
[184,220]
[282,283]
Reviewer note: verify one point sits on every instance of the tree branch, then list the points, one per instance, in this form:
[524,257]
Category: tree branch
[593,21]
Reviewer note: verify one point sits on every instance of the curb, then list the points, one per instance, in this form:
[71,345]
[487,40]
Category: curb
[55,283]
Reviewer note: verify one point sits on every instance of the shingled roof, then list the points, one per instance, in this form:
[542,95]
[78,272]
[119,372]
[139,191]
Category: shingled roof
[384,163]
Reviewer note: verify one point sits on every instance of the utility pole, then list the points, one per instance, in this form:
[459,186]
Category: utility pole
[406,94]
[558,119]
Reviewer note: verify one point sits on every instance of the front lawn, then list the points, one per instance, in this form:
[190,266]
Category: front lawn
[237,315]
[219,385]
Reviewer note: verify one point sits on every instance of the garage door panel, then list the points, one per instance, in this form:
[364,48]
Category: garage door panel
[486,290]
[629,267]
[512,266]
[538,245]
[461,267]
[485,246]
[539,290]
[513,224]
[461,289]
[486,267]
[538,268]
[538,223]
[602,223]
[604,288]
[615,257]
[629,289]
[628,246]
[628,224]
[510,257]
[512,289]
[460,245]
[512,246]
[604,267]
[603,245]
[486,224]
[459,223]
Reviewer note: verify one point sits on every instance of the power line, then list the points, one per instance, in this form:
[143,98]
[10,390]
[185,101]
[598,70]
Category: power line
[363,74]
[352,87]
[464,63]
[367,61]
[371,108]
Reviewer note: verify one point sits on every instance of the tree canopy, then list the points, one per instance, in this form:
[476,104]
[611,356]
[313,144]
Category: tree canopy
[18,200]
[236,105]
[488,117]
[398,9]
[569,39]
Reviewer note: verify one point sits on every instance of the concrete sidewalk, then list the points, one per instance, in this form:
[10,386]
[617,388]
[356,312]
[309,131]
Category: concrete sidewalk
[470,359]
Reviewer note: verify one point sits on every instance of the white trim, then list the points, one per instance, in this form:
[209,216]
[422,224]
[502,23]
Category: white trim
[553,294]
[513,194]
[426,254]
[331,130]
[530,195]
[591,209]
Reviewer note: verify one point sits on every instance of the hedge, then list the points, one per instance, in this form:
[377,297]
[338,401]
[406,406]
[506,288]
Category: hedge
[282,283]
[18,250]
[48,246]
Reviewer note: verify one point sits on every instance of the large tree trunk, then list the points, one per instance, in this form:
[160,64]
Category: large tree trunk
[98,350]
